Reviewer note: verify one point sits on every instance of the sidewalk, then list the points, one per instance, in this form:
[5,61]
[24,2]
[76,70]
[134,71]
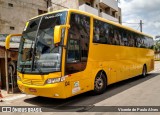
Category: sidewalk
[11,96]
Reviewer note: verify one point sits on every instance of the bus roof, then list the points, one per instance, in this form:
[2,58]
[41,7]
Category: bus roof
[97,17]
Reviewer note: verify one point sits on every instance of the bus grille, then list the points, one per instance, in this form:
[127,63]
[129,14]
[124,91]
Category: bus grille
[33,82]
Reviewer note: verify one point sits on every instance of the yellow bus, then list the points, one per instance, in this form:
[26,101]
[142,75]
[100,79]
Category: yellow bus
[69,52]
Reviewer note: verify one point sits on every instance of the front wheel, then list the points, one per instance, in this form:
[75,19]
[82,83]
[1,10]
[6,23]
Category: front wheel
[100,83]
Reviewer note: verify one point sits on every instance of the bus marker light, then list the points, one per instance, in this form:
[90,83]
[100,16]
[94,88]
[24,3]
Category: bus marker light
[18,78]
[63,78]
[56,95]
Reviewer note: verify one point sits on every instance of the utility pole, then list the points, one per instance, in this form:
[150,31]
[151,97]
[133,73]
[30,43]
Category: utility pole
[141,25]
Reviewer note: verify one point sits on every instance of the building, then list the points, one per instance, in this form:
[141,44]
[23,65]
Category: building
[107,9]
[11,58]
[15,13]
[13,16]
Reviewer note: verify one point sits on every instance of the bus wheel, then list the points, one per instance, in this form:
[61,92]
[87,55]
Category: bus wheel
[100,83]
[144,71]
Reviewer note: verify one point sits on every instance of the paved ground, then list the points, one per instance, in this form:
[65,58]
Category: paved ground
[133,92]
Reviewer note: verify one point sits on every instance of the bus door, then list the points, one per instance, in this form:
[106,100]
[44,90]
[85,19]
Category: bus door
[77,52]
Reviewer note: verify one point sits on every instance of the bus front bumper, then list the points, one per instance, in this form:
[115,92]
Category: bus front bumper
[48,90]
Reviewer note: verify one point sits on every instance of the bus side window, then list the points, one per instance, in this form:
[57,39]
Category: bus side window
[111,35]
[125,38]
[143,42]
[96,38]
[73,51]
[121,37]
[131,40]
[101,32]
[139,41]
[116,39]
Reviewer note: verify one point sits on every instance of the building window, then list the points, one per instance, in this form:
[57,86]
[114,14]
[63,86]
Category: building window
[89,4]
[113,13]
[120,20]
[49,3]
[96,6]
[100,10]
[12,28]
[41,12]
[10,4]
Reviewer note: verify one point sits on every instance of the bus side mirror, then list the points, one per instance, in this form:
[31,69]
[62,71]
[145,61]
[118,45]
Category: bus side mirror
[8,38]
[58,33]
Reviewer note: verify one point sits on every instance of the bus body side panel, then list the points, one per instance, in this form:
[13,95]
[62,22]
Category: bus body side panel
[120,62]
[145,56]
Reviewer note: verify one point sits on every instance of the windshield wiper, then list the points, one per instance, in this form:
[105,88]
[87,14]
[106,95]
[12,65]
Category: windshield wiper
[34,49]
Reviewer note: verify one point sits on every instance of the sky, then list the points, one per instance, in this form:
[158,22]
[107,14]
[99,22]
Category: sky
[146,10]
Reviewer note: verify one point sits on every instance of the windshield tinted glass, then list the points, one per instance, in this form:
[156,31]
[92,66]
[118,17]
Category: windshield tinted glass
[37,42]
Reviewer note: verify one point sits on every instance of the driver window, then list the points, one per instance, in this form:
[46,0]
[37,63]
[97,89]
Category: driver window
[78,43]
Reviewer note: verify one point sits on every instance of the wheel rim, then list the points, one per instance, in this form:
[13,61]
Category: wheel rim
[99,83]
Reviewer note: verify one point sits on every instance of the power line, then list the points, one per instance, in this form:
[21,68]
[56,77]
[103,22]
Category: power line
[130,23]
[138,28]
[126,22]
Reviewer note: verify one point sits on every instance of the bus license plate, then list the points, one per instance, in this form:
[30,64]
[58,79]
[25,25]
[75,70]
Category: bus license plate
[32,90]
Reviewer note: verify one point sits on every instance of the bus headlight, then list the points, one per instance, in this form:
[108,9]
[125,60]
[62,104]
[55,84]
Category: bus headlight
[54,80]
[18,78]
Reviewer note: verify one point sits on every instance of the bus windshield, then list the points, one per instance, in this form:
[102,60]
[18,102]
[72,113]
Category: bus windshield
[37,52]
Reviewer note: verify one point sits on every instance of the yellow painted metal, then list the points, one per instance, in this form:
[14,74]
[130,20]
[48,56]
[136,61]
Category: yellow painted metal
[27,23]
[118,62]
[8,38]
[37,82]
[57,32]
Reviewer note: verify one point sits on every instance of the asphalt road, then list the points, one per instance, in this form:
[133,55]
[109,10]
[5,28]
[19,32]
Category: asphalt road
[136,91]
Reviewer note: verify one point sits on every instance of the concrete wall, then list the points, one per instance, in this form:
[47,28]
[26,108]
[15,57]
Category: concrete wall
[98,5]
[119,15]
[111,3]
[89,9]
[63,4]
[13,18]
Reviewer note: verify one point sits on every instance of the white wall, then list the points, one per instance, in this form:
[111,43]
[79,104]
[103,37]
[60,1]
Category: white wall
[111,3]
[89,9]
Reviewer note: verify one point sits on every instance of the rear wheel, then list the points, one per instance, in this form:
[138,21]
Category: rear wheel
[144,71]
[100,83]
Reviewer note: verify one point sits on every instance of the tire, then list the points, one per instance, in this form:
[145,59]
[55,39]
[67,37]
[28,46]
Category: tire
[100,83]
[144,71]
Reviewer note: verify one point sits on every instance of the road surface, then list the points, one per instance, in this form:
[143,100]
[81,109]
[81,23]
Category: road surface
[132,92]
